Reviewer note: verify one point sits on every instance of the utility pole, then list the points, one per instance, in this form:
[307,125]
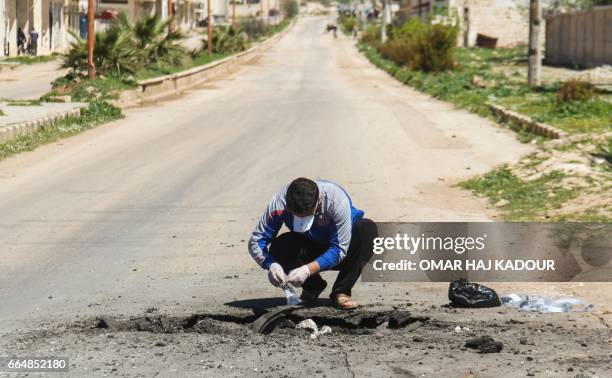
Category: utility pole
[534,70]
[91,69]
[209,27]
[233,13]
[169,15]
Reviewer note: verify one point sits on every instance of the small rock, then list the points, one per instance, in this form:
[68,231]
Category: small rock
[485,344]
[502,203]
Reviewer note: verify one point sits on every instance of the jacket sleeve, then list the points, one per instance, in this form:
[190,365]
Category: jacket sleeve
[340,236]
[266,230]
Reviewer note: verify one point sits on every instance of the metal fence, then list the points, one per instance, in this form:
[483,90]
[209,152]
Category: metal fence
[581,38]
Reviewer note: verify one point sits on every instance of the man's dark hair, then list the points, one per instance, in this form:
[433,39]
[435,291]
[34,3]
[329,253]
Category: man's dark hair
[302,196]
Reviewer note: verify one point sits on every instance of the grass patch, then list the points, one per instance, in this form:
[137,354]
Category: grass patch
[279,27]
[454,86]
[197,60]
[201,57]
[572,117]
[96,113]
[460,87]
[518,199]
[96,92]
[11,102]
[27,60]
[86,90]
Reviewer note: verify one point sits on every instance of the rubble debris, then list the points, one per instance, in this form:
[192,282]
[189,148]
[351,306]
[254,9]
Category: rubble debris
[266,322]
[311,326]
[401,319]
[537,303]
[462,293]
[485,344]
[101,323]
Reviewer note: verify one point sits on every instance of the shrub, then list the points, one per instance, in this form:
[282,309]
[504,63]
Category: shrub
[113,53]
[418,45]
[576,90]
[433,48]
[397,50]
[126,47]
[227,39]
[431,45]
[253,27]
[371,35]
[291,8]
[157,46]
[347,23]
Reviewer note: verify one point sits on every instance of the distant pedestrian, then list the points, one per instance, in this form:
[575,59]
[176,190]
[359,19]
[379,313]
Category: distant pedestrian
[33,44]
[21,41]
[355,31]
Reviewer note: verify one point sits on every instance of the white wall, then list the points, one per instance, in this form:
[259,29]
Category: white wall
[3,26]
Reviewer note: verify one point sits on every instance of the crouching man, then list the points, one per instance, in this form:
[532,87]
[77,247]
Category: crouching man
[325,233]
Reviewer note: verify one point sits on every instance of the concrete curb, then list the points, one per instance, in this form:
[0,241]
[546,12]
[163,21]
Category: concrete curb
[15,129]
[526,122]
[170,85]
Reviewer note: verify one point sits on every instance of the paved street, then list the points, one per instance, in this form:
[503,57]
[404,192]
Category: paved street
[154,210]
[16,113]
[29,81]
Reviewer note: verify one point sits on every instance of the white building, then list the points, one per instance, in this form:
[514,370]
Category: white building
[52,19]
[46,17]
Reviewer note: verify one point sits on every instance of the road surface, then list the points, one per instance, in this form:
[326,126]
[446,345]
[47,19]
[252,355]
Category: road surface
[27,82]
[154,211]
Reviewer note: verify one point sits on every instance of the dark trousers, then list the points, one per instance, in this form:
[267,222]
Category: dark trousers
[293,249]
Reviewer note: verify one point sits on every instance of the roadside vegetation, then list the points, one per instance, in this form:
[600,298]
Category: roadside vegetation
[130,51]
[96,113]
[28,59]
[564,180]
[123,54]
[347,23]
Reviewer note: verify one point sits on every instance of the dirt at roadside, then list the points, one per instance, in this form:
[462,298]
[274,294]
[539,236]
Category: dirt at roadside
[430,342]
[585,169]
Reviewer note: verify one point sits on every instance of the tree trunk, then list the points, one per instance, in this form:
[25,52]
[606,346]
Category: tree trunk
[534,70]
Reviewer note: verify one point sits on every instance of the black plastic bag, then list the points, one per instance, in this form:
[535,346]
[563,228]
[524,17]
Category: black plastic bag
[462,293]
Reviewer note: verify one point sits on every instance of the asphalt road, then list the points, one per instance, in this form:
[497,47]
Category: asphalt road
[155,210]
[27,82]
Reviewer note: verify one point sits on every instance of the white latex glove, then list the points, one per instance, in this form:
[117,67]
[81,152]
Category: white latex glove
[298,275]
[277,275]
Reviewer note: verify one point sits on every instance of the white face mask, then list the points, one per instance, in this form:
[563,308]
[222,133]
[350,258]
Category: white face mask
[303,224]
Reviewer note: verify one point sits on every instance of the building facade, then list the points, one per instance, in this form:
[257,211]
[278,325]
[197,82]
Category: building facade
[223,10]
[52,20]
[45,17]
[500,19]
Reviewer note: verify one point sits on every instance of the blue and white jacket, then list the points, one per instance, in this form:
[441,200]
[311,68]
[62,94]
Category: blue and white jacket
[334,218]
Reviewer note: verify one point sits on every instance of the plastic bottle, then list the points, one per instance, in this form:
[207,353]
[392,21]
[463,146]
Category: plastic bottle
[292,298]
